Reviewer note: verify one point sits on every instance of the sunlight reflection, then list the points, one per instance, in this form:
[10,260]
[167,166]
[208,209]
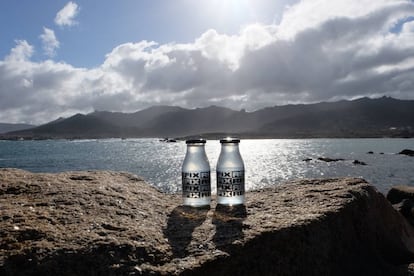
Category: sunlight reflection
[267,162]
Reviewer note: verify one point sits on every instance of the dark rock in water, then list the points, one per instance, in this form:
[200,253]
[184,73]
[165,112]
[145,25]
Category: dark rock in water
[370,152]
[327,159]
[107,223]
[381,153]
[357,162]
[307,159]
[398,193]
[407,152]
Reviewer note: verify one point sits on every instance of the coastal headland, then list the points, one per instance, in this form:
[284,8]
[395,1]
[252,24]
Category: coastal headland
[113,223]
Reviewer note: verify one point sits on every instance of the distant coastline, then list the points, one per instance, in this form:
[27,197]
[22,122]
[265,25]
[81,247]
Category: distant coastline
[362,118]
[214,136]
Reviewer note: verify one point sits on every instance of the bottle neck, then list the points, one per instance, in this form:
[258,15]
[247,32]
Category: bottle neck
[196,159]
[195,148]
[230,158]
[230,147]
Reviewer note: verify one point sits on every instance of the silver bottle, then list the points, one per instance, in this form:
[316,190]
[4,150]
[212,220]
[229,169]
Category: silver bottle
[230,173]
[196,175]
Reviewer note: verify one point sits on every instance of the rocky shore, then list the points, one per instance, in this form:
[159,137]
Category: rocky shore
[113,223]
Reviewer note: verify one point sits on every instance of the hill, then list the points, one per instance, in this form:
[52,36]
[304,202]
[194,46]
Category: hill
[358,118]
[5,127]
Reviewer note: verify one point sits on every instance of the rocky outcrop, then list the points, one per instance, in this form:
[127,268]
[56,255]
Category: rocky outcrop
[402,198]
[357,162]
[400,192]
[407,152]
[107,223]
[327,159]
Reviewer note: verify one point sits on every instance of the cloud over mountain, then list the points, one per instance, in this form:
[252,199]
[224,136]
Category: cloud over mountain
[320,50]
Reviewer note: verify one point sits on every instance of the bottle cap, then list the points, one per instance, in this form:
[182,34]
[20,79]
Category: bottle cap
[196,141]
[230,140]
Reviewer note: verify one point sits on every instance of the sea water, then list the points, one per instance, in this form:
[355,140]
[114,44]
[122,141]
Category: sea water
[267,162]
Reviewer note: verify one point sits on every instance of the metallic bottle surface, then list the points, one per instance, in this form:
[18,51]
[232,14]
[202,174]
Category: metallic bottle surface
[196,175]
[230,173]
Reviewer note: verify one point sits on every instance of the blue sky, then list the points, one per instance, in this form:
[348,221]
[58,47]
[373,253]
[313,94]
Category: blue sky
[102,25]
[58,58]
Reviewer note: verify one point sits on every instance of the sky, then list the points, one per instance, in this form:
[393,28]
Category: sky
[58,58]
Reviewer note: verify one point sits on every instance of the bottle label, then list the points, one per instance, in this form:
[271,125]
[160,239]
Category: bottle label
[196,184]
[230,183]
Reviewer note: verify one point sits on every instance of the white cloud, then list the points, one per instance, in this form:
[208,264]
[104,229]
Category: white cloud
[36,91]
[308,14]
[49,42]
[331,53]
[230,49]
[21,52]
[66,16]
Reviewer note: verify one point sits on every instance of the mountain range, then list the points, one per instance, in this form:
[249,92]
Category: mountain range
[364,117]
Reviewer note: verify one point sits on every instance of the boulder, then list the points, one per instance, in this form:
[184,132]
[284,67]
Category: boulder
[402,198]
[406,208]
[400,192]
[113,223]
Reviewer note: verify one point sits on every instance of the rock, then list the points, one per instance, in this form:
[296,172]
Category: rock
[406,208]
[357,162]
[402,198]
[327,159]
[108,223]
[398,193]
[407,152]
[370,152]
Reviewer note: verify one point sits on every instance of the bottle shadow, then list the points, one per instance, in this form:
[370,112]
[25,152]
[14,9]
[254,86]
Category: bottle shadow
[229,225]
[181,223]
